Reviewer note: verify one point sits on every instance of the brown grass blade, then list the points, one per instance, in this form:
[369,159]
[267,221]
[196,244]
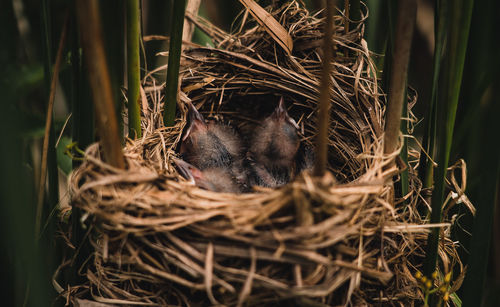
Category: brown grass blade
[272,26]
[48,122]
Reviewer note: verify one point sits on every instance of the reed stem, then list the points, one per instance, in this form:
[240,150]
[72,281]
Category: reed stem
[133,69]
[93,49]
[426,167]
[174,57]
[82,116]
[324,98]
[399,70]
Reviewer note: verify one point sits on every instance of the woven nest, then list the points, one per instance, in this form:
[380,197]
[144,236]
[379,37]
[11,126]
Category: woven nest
[160,240]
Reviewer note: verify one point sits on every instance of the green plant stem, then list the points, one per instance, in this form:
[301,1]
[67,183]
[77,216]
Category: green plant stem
[376,30]
[174,57]
[324,99]
[460,23]
[133,69]
[426,166]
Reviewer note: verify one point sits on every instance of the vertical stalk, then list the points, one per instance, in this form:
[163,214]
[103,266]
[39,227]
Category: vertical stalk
[399,71]
[324,98]
[52,172]
[376,29]
[48,124]
[174,57]
[429,139]
[93,49]
[460,23]
[133,66]
[82,107]
[114,36]
[83,134]
[392,9]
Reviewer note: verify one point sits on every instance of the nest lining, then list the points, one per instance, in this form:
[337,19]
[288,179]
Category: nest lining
[159,240]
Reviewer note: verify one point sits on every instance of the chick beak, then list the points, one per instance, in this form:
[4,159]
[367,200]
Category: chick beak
[196,121]
[281,114]
[187,170]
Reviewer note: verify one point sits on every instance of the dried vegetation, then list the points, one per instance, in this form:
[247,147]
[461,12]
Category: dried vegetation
[159,240]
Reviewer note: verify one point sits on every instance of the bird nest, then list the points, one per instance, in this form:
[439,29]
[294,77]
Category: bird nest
[157,239]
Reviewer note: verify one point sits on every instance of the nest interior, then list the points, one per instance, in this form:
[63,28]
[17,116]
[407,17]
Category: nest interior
[159,240]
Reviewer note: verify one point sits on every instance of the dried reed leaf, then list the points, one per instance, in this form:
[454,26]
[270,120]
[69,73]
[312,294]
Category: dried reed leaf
[272,26]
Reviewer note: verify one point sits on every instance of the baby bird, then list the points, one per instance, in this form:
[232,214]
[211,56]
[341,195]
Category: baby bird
[212,179]
[273,149]
[305,158]
[212,145]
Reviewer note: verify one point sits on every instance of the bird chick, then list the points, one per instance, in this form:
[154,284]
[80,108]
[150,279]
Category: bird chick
[305,158]
[212,145]
[212,179]
[273,149]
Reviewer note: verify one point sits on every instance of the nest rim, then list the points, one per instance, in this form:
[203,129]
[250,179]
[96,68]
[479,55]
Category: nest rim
[150,197]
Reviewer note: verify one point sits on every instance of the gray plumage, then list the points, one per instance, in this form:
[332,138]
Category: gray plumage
[215,179]
[212,146]
[273,149]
